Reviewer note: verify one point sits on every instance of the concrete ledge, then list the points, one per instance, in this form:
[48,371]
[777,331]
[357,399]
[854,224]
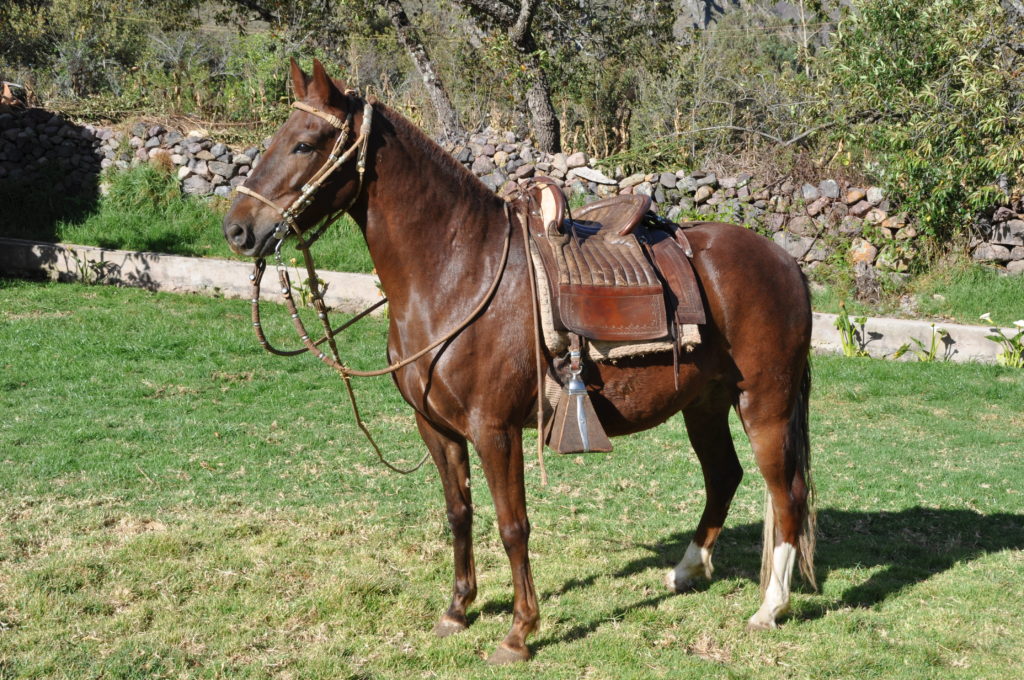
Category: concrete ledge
[881,337]
[171,273]
[354,292]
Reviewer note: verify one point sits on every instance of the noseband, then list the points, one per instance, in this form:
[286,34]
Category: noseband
[334,161]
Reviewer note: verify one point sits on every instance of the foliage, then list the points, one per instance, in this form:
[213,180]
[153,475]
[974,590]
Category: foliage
[851,333]
[1012,354]
[935,106]
[922,352]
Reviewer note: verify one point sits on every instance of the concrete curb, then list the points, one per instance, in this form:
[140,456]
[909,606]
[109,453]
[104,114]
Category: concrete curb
[880,337]
[172,273]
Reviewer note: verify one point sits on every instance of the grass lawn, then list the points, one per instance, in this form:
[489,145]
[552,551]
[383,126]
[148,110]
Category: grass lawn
[176,503]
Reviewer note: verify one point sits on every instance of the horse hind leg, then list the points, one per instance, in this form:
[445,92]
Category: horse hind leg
[452,460]
[708,427]
[781,448]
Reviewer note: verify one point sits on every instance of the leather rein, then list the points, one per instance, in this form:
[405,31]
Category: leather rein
[290,227]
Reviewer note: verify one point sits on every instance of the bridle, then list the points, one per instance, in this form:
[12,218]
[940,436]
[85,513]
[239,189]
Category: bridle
[290,227]
[335,159]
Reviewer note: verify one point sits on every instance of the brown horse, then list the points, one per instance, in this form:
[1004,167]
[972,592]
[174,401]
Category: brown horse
[436,235]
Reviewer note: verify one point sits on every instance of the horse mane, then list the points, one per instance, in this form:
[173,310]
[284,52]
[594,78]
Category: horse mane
[442,160]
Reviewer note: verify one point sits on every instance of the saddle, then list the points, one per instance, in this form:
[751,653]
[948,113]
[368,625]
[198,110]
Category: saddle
[616,272]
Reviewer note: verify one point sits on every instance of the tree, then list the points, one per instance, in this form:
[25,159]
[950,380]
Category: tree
[936,105]
[447,117]
[517,22]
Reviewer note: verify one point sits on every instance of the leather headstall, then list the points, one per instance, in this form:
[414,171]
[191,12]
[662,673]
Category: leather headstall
[335,160]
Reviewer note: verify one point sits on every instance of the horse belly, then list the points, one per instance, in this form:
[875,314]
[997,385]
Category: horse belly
[634,396]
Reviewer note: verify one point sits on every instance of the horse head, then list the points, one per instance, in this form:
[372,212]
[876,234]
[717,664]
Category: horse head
[311,170]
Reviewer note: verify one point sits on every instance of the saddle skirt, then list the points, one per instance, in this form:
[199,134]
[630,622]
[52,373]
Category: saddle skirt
[615,274]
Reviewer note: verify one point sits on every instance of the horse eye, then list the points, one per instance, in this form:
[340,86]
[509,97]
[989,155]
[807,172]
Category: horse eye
[302,147]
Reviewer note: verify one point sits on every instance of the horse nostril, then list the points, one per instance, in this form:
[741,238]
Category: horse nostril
[237,234]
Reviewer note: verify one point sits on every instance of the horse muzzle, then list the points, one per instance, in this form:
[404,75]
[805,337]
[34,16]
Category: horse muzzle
[243,239]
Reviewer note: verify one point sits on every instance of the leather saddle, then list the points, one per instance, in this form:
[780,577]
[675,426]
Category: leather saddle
[616,271]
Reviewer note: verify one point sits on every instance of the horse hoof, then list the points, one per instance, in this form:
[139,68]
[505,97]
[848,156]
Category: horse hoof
[506,655]
[755,624]
[447,626]
[679,583]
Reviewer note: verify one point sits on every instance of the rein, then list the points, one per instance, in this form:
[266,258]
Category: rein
[289,215]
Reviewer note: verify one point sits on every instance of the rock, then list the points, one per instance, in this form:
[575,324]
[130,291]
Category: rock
[865,278]
[241,159]
[576,160]
[809,192]
[815,208]
[525,170]
[797,246]
[558,162]
[703,193]
[802,225]
[1017,253]
[861,250]
[875,195]
[668,180]
[632,180]
[906,233]
[991,252]
[205,155]
[592,175]
[1009,233]
[854,195]
[483,165]
[875,216]
[727,182]
[861,208]
[645,188]
[1015,268]
[464,155]
[708,180]
[500,158]
[224,191]
[493,180]
[829,188]
[196,185]
[775,222]
[225,170]
[200,168]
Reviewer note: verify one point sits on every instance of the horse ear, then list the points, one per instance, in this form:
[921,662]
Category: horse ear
[299,80]
[322,88]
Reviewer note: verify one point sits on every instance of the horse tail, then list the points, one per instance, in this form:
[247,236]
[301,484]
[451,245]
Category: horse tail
[797,450]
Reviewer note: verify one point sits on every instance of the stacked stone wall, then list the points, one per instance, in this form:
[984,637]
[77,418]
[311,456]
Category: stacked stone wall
[813,222]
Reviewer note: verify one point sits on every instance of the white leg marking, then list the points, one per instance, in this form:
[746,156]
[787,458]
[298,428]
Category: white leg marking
[695,565]
[776,596]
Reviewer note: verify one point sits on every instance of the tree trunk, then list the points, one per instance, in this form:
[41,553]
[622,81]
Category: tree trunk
[538,98]
[447,117]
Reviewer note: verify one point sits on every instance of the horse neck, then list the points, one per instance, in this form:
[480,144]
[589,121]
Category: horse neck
[428,224]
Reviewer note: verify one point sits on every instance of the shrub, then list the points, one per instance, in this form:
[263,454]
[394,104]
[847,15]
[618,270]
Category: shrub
[928,94]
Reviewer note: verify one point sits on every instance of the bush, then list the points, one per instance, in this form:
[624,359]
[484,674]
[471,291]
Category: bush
[927,93]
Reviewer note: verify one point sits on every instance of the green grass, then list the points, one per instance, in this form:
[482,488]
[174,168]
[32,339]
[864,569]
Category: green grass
[176,503]
[954,290]
[145,210]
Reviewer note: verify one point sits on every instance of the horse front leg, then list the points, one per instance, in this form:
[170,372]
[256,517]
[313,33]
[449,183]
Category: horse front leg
[450,455]
[501,454]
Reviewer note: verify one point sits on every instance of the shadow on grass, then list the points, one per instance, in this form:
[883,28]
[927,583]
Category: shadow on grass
[910,545]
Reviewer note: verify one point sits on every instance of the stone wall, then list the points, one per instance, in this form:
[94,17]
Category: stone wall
[812,221]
